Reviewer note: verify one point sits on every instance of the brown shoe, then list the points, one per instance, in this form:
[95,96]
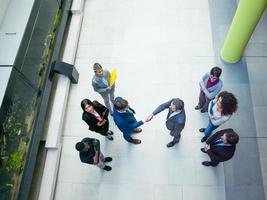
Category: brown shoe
[137,130]
[136,141]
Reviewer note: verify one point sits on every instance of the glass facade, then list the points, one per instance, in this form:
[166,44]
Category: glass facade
[21,102]
[15,137]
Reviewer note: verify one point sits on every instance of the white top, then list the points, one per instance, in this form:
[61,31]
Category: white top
[174,113]
[96,114]
[216,117]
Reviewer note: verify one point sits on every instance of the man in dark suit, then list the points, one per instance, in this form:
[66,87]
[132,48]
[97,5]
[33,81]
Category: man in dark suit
[89,152]
[220,147]
[175,120]
[124,118]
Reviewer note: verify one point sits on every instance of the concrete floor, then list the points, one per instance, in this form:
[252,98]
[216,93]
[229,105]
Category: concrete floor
[160,50]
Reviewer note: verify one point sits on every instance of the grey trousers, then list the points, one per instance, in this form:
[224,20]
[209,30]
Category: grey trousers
[101,163]
[203,102]
[109,95]
[176,137]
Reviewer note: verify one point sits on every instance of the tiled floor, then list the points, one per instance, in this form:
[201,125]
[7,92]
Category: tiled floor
[161,49]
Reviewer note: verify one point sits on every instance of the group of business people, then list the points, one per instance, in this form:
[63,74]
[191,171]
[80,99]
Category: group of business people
[220,106]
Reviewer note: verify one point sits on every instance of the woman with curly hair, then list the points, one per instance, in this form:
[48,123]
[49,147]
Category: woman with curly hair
[220,110]
[96,116]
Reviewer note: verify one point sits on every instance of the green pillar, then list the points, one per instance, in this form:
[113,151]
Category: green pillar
[245,20]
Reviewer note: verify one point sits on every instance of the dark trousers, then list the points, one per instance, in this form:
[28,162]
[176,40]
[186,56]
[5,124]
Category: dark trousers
[103,130]
[176,137]
[203,102]
[214,162]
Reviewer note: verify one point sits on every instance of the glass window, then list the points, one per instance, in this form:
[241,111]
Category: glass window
[16,131]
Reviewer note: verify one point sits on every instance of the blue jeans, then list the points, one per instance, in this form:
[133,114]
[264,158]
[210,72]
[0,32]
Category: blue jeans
[209,129]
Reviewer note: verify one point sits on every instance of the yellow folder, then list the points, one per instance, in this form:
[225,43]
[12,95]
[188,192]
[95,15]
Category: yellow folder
[113,77]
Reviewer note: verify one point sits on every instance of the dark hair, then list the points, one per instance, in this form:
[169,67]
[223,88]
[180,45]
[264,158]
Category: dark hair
[179,104]
[86,102]
[231,137]
[216,71]
[120,103]
[229,103]
[79,146]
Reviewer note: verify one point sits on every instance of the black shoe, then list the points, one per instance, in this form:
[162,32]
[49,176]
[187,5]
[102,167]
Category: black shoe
[136,141]
[197,107]
[110,137]
[137,130]
[202,130]
[108,159]
[203,111]
[204,139]
[203,150]
[107,168]
[171,144]
[110,132]
[206,163]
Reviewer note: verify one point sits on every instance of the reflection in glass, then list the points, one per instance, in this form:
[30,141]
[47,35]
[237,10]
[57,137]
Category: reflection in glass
[15,138]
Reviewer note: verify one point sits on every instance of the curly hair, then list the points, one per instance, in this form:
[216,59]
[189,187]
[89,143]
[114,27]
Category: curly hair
[229,103]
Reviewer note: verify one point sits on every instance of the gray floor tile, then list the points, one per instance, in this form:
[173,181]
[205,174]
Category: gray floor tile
[245,192]
[264,170]
[243,114]
[125,191]
[262,143]
[259,97]
[203,192]
[64,191]
[209,176]
[171,192]
[246,147]
[260,114]
[239,172]
[85,191]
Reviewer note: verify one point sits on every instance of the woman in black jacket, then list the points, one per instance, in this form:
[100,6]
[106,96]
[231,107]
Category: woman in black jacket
[220,146]
[96,116]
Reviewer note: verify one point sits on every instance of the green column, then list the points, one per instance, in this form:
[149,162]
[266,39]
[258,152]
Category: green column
[245,20]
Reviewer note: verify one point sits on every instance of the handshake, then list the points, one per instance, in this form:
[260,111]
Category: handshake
[149,118]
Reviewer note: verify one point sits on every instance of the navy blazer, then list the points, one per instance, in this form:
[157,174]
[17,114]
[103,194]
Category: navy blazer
[220,153]
[126,122]
[175,123]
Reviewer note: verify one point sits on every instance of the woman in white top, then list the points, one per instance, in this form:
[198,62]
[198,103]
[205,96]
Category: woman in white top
[220,110]
[96,116]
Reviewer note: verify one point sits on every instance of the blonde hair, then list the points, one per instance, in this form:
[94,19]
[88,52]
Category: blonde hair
[97,67]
